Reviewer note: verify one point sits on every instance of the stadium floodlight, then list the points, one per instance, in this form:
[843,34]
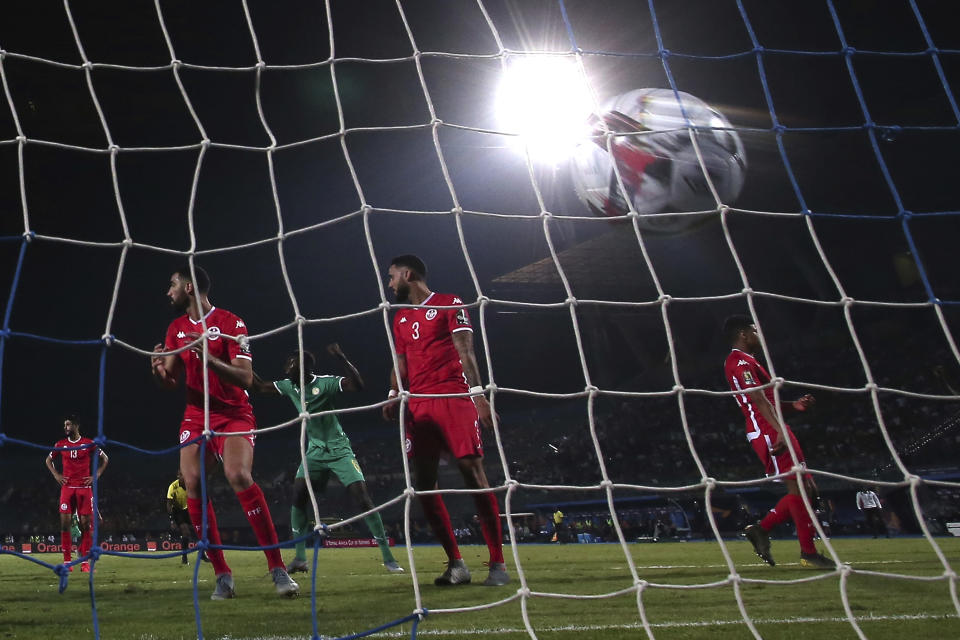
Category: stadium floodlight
[544,101]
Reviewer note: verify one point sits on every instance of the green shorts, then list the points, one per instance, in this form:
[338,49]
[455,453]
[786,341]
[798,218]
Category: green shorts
[347,470]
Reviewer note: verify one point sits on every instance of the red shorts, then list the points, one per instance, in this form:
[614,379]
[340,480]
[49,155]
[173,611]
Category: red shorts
[192,427]
[781,463]
[443,425]
[79,499]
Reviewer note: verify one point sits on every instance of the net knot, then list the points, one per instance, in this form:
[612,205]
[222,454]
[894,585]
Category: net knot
[747,290]
[606,484]
[483,299]
[734,578]
[641,584]
[523,592]
[546,214]
[205,143]
[492,387]
[871,386]
[304,415]
[846,301]
[571,301]
[931,50]
[778,382]
[664,299]
[511,483]
[758,49]
[914,479]
[409,492]
[591,390]
[175,63]
[779,128]
[22,139]
[29,235]
[207,433]
[950,574]
[100,440]
[64,573]
[905,214]
[108,339]
[301,320]
[87,65]
[679,388]
[709,483]
[848,51]
[95,552]
[664,54]
[261,64]
[869,124]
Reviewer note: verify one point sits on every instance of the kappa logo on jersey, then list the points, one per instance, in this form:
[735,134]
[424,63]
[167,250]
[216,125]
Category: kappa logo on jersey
[181,335]
[457,300]
[748,377]
[403,319]
[431,314]
[240,324]
[214,333]
[742,363]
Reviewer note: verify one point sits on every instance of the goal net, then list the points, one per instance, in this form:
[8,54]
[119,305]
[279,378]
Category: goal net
[292,151]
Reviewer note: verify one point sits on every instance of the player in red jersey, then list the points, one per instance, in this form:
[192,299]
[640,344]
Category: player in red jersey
[768,437]
[230,372]
[435,354]
[76,485]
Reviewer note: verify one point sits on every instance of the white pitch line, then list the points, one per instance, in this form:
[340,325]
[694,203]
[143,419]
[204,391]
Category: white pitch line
[618,627]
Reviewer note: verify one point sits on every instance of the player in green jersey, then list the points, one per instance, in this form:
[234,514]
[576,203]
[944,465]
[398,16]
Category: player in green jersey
[327,447]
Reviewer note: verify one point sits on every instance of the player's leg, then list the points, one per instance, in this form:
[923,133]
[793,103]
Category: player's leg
[299,520]
[190,466]
[66,542]
[358,490]
[83,499]
[471,468]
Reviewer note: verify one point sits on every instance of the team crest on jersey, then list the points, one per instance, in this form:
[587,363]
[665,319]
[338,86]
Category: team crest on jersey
[462,317]
[316,391]
[748,377]
[431,314]
[214,333]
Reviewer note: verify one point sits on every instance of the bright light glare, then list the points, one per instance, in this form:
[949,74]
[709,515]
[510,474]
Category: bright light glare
[545,102]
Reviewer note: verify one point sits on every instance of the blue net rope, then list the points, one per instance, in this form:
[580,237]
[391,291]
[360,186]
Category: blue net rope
[875,131]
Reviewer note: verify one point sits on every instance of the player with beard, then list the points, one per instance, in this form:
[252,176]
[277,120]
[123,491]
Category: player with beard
[76,485]
[768,437]
[435,356]
[230,372]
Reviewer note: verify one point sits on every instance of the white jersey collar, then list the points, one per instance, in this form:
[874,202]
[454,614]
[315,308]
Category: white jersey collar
[212,309]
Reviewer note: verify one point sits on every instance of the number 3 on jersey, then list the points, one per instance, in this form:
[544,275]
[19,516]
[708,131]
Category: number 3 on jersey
[416,330]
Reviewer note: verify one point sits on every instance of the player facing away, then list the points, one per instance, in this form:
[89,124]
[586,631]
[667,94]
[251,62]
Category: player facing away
[327,447]
[230,373]
[435,355]
[768,437]
[76,485]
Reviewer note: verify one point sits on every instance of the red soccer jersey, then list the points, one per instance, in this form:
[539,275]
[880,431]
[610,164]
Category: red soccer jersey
[743,372]
[76,462]
[425,337]
[224,397]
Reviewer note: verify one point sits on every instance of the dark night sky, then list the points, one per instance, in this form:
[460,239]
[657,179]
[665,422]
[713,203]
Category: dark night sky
[65,289]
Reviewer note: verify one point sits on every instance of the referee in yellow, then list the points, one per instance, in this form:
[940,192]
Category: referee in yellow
[177,510]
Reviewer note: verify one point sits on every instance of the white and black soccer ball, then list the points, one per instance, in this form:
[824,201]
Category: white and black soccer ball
[657,160]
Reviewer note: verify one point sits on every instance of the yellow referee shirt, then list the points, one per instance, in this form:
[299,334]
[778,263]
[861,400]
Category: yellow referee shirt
[178,494]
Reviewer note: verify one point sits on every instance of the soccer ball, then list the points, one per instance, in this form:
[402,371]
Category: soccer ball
[658,165]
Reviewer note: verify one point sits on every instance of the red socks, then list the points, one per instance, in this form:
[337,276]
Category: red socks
[439,519]
[792,507]
[805,528]
[67,543]
[778,515]
[489,512]
[255,506]
[195,510]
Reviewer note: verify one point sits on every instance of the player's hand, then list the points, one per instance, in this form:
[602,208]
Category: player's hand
[197,348]
[61,480]
[778,447]
[803,403]
[88,481]
[484,412]
[334,349]
[391,410]
[156,362]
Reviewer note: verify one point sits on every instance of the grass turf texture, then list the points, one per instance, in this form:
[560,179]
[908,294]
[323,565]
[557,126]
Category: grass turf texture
[153,599]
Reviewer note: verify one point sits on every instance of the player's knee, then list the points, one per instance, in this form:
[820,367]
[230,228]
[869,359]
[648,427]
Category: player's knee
[240,479]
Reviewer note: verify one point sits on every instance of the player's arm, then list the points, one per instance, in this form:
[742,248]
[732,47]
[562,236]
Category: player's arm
[351,378]
[262,386]
[463,341]
[799,405]
[390,409]
[768,413]
[238,372]
[166,369]
[104,461]
[53,470]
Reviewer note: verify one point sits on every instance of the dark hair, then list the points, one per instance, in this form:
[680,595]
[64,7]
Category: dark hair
[203,280]
[733,325]
[72,417]
[309,361]
[411,262]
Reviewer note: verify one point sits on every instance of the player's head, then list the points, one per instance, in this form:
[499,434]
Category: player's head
[291,366]
[71,425]
[741,333]
[404,270]
[183,290]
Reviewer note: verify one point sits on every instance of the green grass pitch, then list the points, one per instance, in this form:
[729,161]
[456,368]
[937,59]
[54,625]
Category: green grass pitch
[153,599]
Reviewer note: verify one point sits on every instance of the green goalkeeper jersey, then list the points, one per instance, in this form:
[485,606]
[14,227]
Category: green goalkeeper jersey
[325,437]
